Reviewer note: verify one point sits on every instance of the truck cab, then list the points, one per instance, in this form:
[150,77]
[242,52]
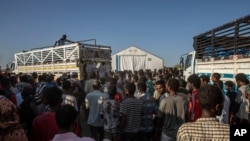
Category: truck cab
[187,63]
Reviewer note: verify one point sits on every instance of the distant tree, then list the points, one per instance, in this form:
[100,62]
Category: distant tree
[7,69]
[177,66]
[165,67]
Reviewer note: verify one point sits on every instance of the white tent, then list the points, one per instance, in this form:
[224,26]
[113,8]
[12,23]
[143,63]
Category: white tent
[134,58]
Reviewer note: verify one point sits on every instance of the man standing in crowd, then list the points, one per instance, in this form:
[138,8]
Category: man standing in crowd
[230,92]
[215,77]
[204,80]
[150,83]
[173,111]
[224,117]
[149,110]
[93,102]
[82,65]
[89,83]
[66,124]
[161,90]
[42,123]
[110,114]
[194,106]
[207,127]
[182,91]
[131,115]
[90,69]
[239,115]
[102,71]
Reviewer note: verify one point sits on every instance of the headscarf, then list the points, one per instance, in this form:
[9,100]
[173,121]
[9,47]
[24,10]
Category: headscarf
[8,113]
[10,129]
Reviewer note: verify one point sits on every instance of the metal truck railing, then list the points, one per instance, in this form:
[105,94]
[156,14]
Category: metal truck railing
[224,41]
[58,59]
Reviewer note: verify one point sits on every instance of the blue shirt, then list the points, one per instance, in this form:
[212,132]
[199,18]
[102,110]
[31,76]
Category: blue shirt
[94,102]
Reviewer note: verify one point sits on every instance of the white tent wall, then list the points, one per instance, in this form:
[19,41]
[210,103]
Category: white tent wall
[134,58]
[139,62]
[154,62]
[130,62]
[126,62]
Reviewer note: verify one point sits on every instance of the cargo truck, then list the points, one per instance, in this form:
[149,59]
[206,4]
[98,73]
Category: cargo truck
[60,59]
[224,49]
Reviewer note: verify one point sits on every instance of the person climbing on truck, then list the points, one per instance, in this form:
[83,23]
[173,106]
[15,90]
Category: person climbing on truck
[62,40]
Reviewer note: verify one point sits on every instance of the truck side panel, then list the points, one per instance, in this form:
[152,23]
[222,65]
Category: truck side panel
[227,68]
[60,59]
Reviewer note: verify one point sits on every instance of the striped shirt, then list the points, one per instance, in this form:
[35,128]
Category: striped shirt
[38,93]
[204,129]
[132,108]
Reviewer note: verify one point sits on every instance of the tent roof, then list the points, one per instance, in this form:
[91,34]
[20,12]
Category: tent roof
[138,49]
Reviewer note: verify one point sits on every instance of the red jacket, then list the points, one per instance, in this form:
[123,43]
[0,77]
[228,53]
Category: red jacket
[44,127]
[194,107]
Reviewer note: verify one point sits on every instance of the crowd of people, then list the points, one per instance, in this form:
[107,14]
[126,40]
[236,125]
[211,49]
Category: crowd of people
[143,105]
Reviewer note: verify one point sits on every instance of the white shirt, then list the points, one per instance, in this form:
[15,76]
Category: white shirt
[245,110]
[70,136]
[240,98]
[224,117]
